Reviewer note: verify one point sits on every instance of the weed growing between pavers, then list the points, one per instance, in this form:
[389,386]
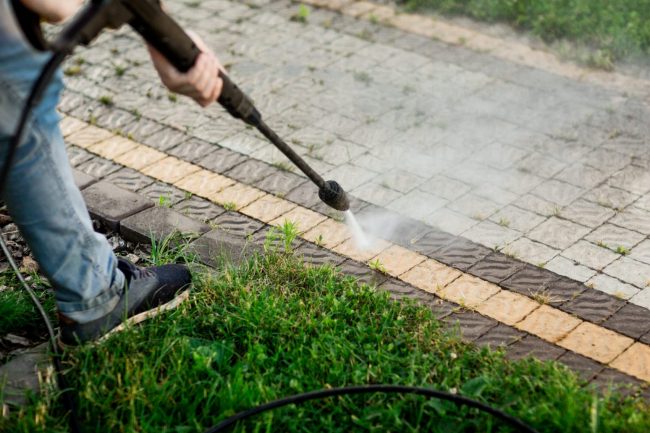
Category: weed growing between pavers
[272,328]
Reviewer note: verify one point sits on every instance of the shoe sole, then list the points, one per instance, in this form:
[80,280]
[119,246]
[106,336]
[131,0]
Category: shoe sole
[138,318]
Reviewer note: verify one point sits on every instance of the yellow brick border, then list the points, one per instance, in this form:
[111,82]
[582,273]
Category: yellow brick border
[454,34]
[512,309]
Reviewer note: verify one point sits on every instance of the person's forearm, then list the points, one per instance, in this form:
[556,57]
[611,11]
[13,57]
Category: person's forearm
[53,11]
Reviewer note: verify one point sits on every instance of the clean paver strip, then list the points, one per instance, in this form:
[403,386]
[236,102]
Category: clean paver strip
[524,313]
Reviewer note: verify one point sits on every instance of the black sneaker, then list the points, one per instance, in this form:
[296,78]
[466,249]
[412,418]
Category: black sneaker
[148,291]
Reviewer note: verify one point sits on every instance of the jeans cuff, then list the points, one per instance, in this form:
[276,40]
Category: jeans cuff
[93,309]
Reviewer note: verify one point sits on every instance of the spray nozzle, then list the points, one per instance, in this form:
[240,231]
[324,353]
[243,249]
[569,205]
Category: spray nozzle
[333,195]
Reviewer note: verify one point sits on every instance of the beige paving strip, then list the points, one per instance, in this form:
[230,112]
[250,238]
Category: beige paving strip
[454,34]
[473,293]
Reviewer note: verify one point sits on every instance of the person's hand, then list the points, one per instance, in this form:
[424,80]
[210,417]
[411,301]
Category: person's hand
[201,83]
[53,11]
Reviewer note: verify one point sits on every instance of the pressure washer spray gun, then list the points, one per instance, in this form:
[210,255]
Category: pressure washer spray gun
[148,19]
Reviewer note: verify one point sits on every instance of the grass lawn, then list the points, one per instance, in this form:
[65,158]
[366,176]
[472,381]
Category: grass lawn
[614,28]
[271,328]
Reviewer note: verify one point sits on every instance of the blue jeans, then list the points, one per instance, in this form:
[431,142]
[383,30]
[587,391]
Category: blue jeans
[43,199]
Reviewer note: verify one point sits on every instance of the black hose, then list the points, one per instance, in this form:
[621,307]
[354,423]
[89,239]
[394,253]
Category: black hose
[369,389]
[35,95]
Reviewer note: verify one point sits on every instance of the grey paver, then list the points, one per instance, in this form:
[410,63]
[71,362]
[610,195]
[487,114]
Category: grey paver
[590,255]
[111,204]
[569,268]
[641,252]
[417,204]
[159,223]
[530,251]
[612,237]
[613,286]
[633,218]
[642,298]
[587,213]
[561,193]
[82,180]
[450,221]
[517,219]
[491,235]
[632,179]
[558,233]
[608,196]
[630,270]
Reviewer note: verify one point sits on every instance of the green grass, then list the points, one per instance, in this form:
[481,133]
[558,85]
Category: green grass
[272,328]
[18,315]
[613,28]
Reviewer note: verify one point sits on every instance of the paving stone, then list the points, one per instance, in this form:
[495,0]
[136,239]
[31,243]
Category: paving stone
[317,256]
[20,375]
[635,361]
[499,336]
[98,167]
[362,273]
[268,208]
[491,235]
[612,286]
[610,379]
[537,205]
[472,325]
[631,271]
[430,275]
[112,147]
[534,347]
[237,196]
[417,204]
[353,249]
[558,233]
[221,247]
[461,254]
[165,139]
[468,291]
[474,206]
[641,252]
[642,298]
[569,268]
[582,175]
[78,156]
[140,157]
[129,179]
[530,280]
[595,342]
[632,179]
[192,150]
[593,305]
[530,251]
[558,192]
[633,218]
[141,128]
[612,237]
[391,226]
[250,171]
[163,194]
[631,320]
[237,224]
[517,219]
[111,204]
[450,221]
[495,267]
[303,219]
[432,241]
[70,125]
[584,367]
[540,165]
[222,160]
[199,208]
[329,233]
[88,136]
[587,213]
[159,223]
[608,196]
[280,182]
[507,307]
[445,187]
[397,260]
[548,323]
[589,254]
[82,180]
[204,183]
[170,169]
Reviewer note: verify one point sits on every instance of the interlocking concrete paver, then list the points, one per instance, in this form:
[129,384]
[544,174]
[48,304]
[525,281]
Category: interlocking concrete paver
[430,275]
[350,248]
[304,219]
[590,255]
[530,251]
[569,268]
[549,323]
[508,307]
[267,208]
[595,342]
[635,361]
[610,236]
[397,260]
[140,157]
[329,234]
[88,136]
[469,291]
[558,233]
[612,286]
[112,147]
[237,196]
[170,169]
[627,269]
[204,183]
